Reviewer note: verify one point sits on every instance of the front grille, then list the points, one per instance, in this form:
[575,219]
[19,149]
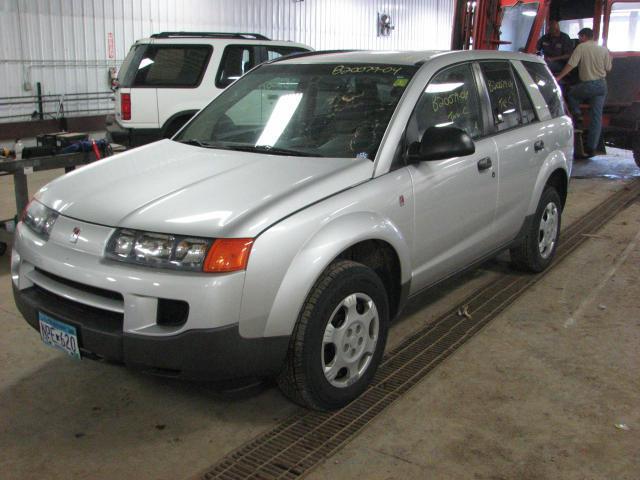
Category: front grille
[79,312]
[83,287]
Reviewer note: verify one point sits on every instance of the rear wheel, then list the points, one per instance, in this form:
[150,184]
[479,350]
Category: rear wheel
[537,249]
[339,338]
[636,150]
[174,126]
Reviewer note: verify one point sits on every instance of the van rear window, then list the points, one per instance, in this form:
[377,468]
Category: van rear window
[177,66]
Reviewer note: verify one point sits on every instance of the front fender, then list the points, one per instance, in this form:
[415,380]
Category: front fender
[281,275]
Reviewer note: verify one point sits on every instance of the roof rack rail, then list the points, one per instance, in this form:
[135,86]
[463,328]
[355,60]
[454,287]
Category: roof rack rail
[310,54]
[236,35]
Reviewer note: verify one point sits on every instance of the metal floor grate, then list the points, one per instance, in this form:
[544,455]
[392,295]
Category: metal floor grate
[302,441]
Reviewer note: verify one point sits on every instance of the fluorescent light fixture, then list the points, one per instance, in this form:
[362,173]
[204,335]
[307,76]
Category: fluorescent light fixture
[279,119]
[529,13]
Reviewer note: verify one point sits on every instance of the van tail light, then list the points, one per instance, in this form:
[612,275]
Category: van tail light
[125,106]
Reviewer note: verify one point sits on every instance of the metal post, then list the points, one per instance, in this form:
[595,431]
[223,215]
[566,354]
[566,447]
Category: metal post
[21,190]
[40,110]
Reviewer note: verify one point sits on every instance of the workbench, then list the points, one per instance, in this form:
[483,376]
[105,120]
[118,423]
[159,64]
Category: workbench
[19,169]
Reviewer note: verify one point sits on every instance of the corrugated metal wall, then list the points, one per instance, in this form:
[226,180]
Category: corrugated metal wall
[65,44]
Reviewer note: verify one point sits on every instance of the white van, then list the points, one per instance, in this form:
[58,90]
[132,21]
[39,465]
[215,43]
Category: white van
[167,78]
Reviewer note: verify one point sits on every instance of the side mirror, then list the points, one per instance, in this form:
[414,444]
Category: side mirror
[439,143]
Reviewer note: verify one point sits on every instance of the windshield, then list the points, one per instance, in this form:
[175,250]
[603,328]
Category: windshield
[320,110]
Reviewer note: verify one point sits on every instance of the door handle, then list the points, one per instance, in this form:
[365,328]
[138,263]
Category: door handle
[484,163]
[539,145]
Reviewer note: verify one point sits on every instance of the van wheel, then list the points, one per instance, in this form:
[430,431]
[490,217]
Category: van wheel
[174,126]
[339,338]
[535,252]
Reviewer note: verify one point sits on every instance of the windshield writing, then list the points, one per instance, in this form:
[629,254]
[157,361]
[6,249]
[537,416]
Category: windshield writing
[322,110]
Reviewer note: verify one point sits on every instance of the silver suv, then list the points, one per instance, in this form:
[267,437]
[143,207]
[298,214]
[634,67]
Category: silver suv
[283,228]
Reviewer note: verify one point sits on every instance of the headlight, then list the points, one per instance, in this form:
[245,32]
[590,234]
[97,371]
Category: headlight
[39,218]
[178,252]
[158,249]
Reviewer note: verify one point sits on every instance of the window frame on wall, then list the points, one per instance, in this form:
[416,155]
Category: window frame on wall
[611,13]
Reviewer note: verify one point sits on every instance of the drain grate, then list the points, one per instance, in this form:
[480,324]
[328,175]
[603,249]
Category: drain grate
[302,441]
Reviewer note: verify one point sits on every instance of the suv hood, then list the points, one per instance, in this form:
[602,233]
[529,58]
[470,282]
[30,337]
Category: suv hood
[171,187]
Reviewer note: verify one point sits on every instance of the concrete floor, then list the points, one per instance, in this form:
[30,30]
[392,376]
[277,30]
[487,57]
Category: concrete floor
[537,394]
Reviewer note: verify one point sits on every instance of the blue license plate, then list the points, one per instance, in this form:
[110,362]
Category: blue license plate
[59,335]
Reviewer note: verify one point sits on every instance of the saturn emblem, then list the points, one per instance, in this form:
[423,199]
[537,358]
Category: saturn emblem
[74,235]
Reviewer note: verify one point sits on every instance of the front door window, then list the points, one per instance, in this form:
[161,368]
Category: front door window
[450,99]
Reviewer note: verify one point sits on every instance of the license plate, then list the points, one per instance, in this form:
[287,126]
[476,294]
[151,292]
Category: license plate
[59,335]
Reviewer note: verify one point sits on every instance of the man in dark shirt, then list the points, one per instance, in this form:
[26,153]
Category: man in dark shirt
[556,47]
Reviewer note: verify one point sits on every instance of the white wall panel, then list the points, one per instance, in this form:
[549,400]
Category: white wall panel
[63,43]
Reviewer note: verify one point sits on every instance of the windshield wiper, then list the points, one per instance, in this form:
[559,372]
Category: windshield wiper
[250,148]
[197,143]
[269,150]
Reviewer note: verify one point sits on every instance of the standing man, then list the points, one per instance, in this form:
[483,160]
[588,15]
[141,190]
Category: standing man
[593,62]
[556,47]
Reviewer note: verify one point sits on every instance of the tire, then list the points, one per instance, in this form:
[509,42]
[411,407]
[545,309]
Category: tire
[174,126]
[3,248]
[536,250]
[636,151]
[331,335]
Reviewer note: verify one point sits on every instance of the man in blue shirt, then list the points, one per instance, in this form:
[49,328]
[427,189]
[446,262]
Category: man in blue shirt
[556,46]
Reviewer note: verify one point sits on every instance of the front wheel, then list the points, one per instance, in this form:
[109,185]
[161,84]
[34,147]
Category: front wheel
[536,250]
[339,338]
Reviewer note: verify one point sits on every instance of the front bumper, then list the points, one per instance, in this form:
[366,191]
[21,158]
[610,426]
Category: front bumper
[204,354]
[116,308]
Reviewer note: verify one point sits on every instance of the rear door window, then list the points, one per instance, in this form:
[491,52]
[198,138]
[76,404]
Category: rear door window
[236,61]
[173,66]
[547,87]
[503,94]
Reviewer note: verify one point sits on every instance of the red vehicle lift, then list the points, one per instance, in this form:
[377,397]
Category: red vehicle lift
[500,24]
